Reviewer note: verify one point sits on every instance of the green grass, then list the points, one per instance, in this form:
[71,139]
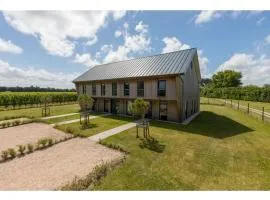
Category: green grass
[36,112]
[252,104]
[61,119]
[97,125]
[222,149]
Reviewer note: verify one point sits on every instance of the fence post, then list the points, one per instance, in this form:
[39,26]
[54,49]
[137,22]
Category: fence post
[238,106]
[263,113]
[231,103]
[248,109]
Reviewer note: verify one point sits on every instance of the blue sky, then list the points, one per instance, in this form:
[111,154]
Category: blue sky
[50,49]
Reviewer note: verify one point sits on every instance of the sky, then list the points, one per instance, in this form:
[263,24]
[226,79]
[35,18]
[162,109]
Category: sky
[52,48]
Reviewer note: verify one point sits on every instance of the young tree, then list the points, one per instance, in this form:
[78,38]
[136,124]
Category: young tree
[86,102]
[227,78]
[139,108]
[45,101]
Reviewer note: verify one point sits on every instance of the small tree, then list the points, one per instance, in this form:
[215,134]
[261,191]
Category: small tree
[45,101]
[139,108]
[86,102]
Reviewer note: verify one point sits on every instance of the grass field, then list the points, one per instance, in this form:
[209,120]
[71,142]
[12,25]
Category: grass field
[222,149]
[61,119]
[97,125]
[36,112]
[252,104]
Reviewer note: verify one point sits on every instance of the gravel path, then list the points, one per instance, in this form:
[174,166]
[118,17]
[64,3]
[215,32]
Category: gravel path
[54,167]
[27,133]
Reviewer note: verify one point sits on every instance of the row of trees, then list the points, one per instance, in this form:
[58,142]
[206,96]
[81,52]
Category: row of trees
[227,85]
[19,99]
[33,89]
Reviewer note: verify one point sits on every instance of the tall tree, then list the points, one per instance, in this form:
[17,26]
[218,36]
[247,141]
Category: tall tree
[227,78]
[206,82]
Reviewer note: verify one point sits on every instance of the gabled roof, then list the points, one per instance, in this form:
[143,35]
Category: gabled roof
[163,64]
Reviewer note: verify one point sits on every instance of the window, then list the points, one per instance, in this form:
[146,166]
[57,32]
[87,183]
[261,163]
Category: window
[94,89]
[114,89]
[103,89]
[162,88]
[163,110]
[140,89]
[126,89]
[84,89]
[190,70]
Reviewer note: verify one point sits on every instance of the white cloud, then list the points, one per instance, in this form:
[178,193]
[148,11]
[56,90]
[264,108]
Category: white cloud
[260,21]
[141,28]
[267,39]
[57,30]
[15,76]
[117,34]
[133,43]
[173,44]
[85,59]
[207,16]
[255,70]
[106,48]
[9,47]
[91,42]
[119,14]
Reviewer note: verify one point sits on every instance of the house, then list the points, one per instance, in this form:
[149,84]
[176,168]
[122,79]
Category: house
[169,82]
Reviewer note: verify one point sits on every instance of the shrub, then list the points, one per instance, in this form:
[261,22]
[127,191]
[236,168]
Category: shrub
[4,154]
[30,148]
[4,124]
[50,142]
[17,122]
[42,142]
[8,124]
[13,123]
[70,129]
[21,149]
[11,152]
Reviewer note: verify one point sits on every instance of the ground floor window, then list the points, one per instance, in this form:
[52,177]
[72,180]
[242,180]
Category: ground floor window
[106,105]
[163,110]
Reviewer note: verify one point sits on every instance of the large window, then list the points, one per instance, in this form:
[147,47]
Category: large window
[140,89]
[126,89]
[103,92]
[84,89]
[114,89]
[94,89]
[161,88]
[163,110]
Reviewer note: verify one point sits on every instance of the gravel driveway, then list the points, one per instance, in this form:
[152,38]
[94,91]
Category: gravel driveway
[52,168]
[27,133]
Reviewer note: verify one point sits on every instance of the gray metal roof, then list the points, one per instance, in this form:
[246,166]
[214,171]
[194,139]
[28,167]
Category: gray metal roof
[163,64]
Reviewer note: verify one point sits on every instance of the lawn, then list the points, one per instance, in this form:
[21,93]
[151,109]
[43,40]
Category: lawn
[61,119]
[97,125]
[222,149]
[36,112]
[252,104]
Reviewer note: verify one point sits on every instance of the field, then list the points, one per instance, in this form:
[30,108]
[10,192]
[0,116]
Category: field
[222,149]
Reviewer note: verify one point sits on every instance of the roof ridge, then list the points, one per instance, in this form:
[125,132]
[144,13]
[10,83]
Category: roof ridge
[142,57]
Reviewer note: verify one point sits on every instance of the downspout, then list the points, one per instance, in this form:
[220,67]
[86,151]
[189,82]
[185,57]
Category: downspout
[182,96]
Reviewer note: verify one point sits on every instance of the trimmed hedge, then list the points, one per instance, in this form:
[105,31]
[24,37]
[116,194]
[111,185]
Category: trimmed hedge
[261,94]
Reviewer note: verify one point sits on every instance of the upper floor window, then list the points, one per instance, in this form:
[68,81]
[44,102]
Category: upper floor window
[84,89]
[162,88]
[126,89]
[140,89]
[94,89]
[114,89]
[191,67]
[103,89]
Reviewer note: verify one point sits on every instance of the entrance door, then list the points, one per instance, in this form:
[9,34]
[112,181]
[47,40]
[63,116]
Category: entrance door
[113,106]
[106,105]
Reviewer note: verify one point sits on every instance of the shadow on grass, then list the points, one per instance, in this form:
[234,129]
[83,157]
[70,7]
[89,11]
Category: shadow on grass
[208,124]
[152,144]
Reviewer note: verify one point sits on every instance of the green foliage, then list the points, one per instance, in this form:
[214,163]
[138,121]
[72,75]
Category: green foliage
[50,141]
[70,129]
[4,155]
[227,78]
[139,107]
[17,122]
[30,148]
[17,99]
[4,124]
[85,101]
[206,82]
[247,93]
[8,123]
[41,143]
[11,152]
[21,149]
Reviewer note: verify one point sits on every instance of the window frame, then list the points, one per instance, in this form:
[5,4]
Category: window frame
[140,90]
[114,89]
[103,90]
[94,89]
[159,90]
[84,89]
[126,94]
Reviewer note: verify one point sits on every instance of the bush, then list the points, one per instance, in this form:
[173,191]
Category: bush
[11,152]
[13,123]
[42,142]
[70,129]
[30,148]
[17,122]
[4,155]
[21,149]
[4,124]
[8,124]
[50,142]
